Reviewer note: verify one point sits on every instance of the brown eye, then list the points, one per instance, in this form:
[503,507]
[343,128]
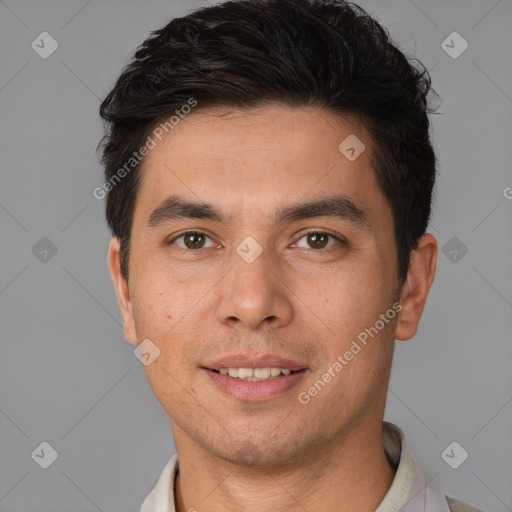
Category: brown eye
[192,240]
[318,240]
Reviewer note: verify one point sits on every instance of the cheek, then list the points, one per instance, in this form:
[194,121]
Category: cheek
[161,301]
[347,299]
[171,312]
[163,313]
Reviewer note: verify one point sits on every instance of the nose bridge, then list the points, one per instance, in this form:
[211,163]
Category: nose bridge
[252,294]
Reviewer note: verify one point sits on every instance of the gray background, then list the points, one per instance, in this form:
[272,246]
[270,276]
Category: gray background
[68,377]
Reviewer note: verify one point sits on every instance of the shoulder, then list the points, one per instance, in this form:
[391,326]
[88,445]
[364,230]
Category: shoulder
[459,506]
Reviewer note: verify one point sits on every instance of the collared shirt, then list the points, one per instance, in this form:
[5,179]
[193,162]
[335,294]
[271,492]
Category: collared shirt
[409,491]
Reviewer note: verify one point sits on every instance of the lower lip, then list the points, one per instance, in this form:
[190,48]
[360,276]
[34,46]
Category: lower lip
[255,391]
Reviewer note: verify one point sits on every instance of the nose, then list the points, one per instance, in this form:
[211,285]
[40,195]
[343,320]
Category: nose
[254,294]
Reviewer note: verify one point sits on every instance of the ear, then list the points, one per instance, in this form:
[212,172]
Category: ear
[122,290]
[422,269]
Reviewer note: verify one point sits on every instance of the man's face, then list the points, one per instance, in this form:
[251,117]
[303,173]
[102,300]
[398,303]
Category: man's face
[306,297]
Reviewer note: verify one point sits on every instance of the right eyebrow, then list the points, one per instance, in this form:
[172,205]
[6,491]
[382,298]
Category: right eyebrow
[175,207]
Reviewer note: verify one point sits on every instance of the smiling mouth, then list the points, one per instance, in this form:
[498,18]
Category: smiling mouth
[255,374]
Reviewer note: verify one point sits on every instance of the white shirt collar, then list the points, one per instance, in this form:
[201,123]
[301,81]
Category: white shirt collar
[409,491]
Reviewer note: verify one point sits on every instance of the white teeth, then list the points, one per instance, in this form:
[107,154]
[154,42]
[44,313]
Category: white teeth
[261,373]
[254,374]
[245,372]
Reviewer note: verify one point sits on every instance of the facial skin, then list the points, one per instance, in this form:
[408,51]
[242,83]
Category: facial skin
[298,300]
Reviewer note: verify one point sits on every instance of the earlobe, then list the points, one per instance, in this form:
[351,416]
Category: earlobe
[122,290]
[420,276]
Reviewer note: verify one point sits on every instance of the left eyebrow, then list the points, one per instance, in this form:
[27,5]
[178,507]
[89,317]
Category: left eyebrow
[338,207]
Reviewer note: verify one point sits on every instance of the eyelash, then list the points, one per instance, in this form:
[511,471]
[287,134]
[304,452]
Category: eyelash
[314,232]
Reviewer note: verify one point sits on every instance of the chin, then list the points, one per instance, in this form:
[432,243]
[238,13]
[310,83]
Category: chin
[262,453]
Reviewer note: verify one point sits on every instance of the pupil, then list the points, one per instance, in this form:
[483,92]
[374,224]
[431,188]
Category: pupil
[193,237]
[315,238]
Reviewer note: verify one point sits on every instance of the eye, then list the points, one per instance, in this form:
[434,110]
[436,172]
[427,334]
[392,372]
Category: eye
[319,239]
[192,240]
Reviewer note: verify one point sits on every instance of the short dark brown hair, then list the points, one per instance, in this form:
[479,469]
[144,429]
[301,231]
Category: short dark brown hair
[245,53]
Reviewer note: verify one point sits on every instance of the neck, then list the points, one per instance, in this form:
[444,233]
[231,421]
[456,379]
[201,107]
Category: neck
[349,472]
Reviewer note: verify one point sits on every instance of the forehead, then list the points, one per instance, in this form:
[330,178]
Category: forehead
[250,162]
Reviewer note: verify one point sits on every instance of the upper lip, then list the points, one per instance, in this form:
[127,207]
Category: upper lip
[246,361]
